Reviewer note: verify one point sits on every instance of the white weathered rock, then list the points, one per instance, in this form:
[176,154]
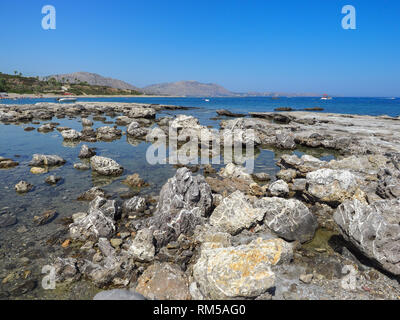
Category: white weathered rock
[279,188]
[373,229]
[142,247]
[71,134]
[331,186]
[106,166]
[288,218]
[235,213]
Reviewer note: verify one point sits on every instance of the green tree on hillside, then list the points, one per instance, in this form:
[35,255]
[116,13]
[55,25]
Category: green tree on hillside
[3,85]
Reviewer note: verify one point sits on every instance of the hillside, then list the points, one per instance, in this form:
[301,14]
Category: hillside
[32,85]
[92,79]
[188,88]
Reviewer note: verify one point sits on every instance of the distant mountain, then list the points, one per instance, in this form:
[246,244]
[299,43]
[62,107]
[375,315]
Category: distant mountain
[92,79]
[181,88]
[188,88]
[197,89]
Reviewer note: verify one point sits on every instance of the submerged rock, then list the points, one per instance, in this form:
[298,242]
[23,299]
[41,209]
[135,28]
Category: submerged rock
[164,281]
[134,180]
[91,194]
[373,229]
[81,166]
[7,219]
[227,113]
[240,272]
[289,219]
[52,179]
[106,166]
[45,217]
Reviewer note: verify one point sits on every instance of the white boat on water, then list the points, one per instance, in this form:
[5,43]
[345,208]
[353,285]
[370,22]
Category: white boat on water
[66,99]
[326,97]
[207,100]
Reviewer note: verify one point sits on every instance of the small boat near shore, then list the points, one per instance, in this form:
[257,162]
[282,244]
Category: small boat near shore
[66,99]
[326,97]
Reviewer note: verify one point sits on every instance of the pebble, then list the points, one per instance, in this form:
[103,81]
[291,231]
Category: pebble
[116,243]
[306,278]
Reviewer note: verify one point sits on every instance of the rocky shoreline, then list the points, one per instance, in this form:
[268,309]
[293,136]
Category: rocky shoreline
[318,230]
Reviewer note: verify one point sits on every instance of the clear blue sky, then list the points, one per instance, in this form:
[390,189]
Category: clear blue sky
[268,45]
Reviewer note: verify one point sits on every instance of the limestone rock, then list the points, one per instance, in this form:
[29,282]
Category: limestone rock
[331,186]
[71,134]
[373,229]
[185,200]
[41,160]
[235,214]
[106,166]
[289,219]
[164,281]
[279,188]
[23,187]
[240,272]
[86,152]
[142,247]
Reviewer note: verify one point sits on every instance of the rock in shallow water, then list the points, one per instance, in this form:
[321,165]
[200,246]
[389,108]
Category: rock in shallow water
[23,187]
[106,166]
[71,134]
[52,179]
[41,160]
[45,217]
[86,152]
[7,220]
[91,194]
[7,163]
